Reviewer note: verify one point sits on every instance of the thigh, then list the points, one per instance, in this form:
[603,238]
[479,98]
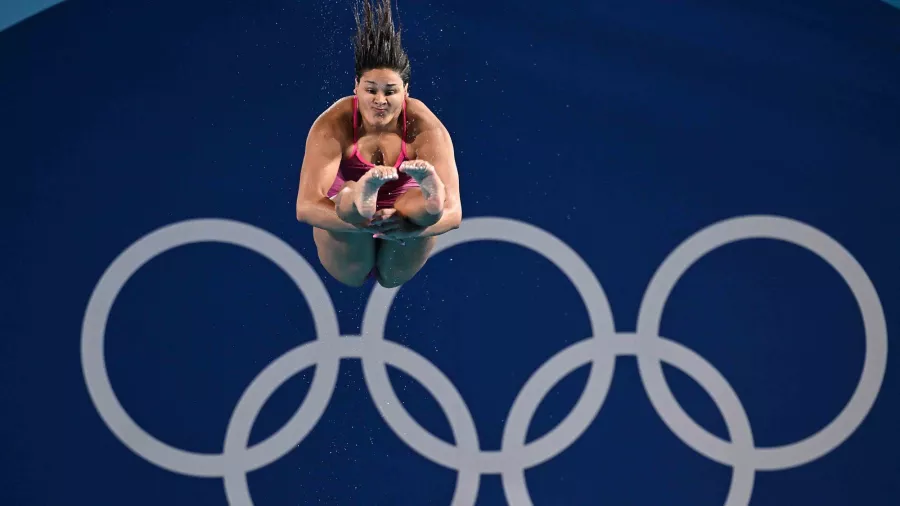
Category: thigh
[349,258]
[398,263]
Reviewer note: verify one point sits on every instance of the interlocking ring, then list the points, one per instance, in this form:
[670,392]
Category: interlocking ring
[466,457]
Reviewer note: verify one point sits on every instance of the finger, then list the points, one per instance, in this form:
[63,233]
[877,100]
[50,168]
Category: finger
[388,238]
[393,221]
[391,235]
[391,238]
[383,215]
[388,228]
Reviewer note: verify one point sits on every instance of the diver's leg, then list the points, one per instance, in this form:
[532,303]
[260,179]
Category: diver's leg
[348,257]
[357,202]
[397,263]
[423,205]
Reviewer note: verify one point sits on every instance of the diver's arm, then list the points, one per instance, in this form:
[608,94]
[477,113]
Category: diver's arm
[320,165]
[436,148]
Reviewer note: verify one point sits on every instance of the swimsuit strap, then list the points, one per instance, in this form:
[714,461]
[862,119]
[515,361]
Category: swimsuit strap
[403,138]
[355,147]
[355,109]
[402,157]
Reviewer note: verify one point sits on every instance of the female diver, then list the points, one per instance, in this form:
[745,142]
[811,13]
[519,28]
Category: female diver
[378,180]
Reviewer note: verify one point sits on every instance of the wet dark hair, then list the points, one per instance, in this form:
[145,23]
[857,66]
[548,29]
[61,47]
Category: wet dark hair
[377,43]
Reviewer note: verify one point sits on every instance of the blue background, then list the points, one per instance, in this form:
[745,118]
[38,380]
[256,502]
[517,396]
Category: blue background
[621,127]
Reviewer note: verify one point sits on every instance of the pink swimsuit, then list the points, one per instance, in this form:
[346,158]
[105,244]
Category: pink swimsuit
[353,168]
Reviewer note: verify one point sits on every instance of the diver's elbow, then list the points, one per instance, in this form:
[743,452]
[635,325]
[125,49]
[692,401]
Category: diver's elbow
[302,213]
[457,218]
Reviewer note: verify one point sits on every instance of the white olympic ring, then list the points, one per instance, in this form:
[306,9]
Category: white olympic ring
[515,456]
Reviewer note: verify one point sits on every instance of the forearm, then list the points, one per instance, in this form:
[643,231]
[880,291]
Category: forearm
[322,214]
[450,220]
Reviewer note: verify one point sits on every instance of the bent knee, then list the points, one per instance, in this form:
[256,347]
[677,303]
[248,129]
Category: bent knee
[351,275]
[392,277]
[397,265]
[347,258]
[391,281]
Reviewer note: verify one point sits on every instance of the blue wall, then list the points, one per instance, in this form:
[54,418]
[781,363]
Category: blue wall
[599,135]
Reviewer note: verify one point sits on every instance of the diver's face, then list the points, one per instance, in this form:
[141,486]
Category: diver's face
[381,94]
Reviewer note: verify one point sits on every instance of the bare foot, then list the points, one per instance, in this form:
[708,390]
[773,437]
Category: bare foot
[431,185]
[368,185]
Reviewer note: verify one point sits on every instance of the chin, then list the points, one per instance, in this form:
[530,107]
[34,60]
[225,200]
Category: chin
[381,120]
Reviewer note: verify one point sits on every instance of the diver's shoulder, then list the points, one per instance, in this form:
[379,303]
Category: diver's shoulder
[336,116]
[418,109]
[339,109]
[422,116]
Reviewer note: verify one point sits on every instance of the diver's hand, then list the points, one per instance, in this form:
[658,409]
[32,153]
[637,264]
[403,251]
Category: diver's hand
[400,232]
[384,222]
